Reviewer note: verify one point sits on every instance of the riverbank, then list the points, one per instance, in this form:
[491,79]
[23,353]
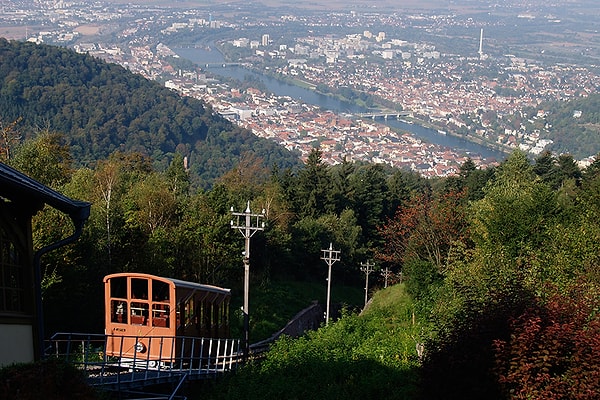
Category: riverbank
[442,129]
[303,93]
[473,139]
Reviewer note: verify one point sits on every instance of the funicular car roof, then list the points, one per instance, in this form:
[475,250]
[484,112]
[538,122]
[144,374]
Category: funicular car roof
[192,286]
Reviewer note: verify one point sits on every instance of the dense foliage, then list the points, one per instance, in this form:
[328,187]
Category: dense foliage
[497,327]
[101,108]
[50,380]
[553,350]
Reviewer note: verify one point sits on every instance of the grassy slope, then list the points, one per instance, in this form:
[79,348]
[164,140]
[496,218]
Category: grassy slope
[272,306]
[358,357]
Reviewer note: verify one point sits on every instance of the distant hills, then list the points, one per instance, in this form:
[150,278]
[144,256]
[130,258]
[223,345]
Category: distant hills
[101,108]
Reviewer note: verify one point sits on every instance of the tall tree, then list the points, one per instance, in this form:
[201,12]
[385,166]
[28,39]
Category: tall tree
[314,184]
[178,176]
[426,229]
[341,191]
[402,186]
[514,214]
[107,178]
[153,205]
[216,246]
[369,200]
[245,180]
[545,168]
[568,169]
[473,179]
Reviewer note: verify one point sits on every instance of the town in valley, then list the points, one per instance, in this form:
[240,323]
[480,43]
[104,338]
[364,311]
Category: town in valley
[466,72]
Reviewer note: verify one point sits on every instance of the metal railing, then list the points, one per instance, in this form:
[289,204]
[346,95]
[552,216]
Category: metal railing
[118,362]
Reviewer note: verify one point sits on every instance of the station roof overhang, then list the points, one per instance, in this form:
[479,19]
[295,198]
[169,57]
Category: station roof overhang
[28,194]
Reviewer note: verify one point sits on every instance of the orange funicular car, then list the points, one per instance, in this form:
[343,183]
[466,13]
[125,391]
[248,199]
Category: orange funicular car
[155,321]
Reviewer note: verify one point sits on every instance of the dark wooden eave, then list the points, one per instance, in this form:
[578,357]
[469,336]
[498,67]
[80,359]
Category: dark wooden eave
[24,192]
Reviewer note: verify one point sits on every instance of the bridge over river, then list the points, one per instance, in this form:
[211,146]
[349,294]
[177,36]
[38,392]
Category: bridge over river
[224,64]
[384,114]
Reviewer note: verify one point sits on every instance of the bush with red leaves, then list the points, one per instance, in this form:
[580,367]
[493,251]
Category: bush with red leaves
[554,350]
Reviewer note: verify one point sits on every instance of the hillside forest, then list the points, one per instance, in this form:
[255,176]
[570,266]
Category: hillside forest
[499,266]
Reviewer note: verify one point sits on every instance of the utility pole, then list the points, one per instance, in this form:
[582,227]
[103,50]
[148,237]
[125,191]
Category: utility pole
[367,268]
[248,224]
[386,274]
[330,256]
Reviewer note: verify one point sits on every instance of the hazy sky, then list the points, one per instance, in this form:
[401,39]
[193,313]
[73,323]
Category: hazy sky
[458,6]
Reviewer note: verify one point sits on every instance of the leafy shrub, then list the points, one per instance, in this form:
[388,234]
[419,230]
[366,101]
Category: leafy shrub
[48,380]
[553,349]
[459,358]
[422,275]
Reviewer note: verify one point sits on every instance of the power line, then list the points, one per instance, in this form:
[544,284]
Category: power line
[330,256]
[386,273]
[367,268]
[248,224]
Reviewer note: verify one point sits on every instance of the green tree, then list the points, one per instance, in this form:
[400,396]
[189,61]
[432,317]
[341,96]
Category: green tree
[516,210]
[568,169]
[313,186]
[402,186]
[369,200]
[46,158]
[153,204]
[473,179]
[107,177]
[309,236]
[279,219]
[178,176]
[246,179]
[341,191]
[201,246]
[545,167]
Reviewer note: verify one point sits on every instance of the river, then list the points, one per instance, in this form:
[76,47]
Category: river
[203,57]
